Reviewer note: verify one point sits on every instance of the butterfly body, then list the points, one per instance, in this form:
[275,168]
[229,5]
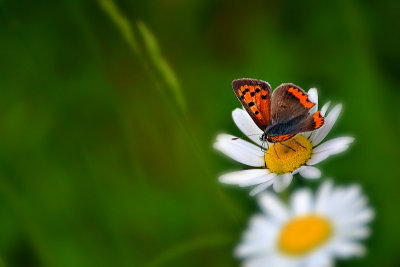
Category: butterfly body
[280,115]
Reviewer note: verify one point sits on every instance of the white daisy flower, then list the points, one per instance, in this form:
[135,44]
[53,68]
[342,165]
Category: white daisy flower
[310,231]
[277,169]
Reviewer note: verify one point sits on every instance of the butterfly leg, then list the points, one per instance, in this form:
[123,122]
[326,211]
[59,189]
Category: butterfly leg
[287,146]
[298,143]
[275,151]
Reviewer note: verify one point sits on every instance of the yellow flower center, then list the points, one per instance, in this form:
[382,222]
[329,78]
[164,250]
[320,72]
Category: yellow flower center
[303,234]
[289,156]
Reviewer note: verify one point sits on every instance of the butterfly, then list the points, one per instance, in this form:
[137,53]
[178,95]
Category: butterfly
[281,115]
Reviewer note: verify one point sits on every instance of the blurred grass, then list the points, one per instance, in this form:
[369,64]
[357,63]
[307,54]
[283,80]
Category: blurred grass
[150,46]
[105,148]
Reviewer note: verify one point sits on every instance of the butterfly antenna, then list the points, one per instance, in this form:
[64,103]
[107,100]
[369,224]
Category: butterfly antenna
[298,143]
[235,138]
[275,151]
[287,146]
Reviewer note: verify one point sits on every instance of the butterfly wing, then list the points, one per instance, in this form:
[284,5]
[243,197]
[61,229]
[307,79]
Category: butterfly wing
[288,102]
[255,97]
[290,108]
[300,124]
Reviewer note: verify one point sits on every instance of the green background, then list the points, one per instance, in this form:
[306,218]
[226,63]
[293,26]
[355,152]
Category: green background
[108,112]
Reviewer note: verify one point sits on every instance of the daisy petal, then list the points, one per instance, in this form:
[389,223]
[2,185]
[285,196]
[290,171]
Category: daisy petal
[323,196]
[310,172]
[245,176]
[313,97]
[261,187]
[320,259]
[273,206]
[258,180]
[318,157]
[257,237]
[240,150]
[358,233]
[301,202]
[244,122]
[334,144]
[321,133]
[325,108]
[282,182]
[348,249]
[364,217]
[260,262]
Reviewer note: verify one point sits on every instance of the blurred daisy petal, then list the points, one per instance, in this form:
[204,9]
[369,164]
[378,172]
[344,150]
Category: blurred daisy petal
[301,202]
[273,206]
[275,235]
[348,249]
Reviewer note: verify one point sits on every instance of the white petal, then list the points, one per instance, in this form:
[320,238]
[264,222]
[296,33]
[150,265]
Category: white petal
[306,134]
[334,144]
[319,135]
[361,218]
[257,238]
[272,206]
[320,259]
[301,201]
[260,261]
[348,249]
[323,196]
[282,182]
[310,172]
[240,150]
[258,180]
[244,122]
[240,177]
[261,187]
[313,97]
[325,108]
[358,233]
[318,157]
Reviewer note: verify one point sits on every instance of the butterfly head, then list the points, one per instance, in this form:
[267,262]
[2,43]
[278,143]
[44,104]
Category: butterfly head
[265,136]
[274,138]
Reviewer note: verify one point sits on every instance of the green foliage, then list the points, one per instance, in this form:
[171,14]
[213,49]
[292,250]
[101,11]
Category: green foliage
[109,109]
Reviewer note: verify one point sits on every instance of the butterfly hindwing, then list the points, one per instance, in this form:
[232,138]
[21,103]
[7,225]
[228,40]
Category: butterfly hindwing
[290,107]
[255,97]
[300,124]
[289,102]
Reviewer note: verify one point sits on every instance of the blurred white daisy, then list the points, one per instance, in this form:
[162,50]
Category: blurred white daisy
[310,231]
[276,170]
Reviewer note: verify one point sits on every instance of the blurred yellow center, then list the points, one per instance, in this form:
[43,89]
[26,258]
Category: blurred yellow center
[288,159]
[303,234]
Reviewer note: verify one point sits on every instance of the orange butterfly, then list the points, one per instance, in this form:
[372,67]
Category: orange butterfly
[281,115]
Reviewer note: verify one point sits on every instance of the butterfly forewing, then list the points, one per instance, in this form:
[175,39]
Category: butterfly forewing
[255,97]
[288,102]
